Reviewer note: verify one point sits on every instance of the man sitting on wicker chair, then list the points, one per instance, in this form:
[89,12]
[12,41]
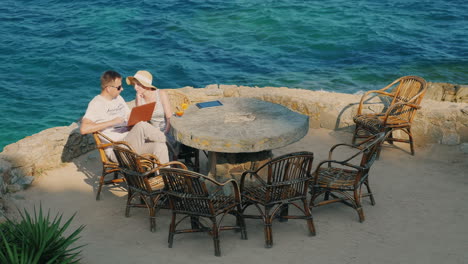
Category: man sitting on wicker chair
[107,113]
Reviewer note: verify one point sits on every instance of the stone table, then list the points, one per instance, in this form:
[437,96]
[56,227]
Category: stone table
[240,128]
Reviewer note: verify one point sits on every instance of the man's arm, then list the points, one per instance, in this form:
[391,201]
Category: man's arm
[88,126]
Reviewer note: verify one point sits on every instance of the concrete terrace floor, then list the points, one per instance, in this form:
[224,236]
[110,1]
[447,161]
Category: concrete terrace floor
[420,216]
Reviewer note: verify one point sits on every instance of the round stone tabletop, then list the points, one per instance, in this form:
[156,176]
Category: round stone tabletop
[239,125]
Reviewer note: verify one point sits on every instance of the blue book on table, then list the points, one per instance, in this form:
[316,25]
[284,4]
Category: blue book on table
[209,104]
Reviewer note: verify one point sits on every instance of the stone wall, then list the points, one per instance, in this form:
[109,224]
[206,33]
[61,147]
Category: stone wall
[447,92]
[436,122]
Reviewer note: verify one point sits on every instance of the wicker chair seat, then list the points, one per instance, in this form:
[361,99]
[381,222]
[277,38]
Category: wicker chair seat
[185,204]
[336,178]
[156,183]
[369,123]
[277,195]
[374,124]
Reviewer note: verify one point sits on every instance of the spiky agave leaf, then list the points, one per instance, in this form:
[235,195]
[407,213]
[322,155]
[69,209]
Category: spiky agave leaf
[38,239]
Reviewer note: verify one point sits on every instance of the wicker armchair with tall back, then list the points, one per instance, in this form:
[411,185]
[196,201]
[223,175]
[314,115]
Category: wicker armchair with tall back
[196,196]
[273,186]
[108,166]
[401,99]
[140,172]
[189,155]
[343,180]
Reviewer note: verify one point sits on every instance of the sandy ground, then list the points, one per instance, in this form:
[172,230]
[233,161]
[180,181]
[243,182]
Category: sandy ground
[421,215]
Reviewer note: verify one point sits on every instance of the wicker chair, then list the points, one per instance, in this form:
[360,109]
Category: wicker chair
[189,155]
[287,180]
[108,166]
[403,101]
[196,196]
[344,178]
[140,172]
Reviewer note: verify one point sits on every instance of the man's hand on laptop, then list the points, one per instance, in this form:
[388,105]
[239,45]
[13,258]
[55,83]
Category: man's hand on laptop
[119,121]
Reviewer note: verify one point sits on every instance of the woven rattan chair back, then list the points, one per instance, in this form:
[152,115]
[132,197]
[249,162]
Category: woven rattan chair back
[408,89]
[141,175]
[287,176]
[108,166]
[188,192]
[134,166]
[195,195]
[286,183]
[369,149]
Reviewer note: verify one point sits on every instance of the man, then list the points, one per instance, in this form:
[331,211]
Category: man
[108,113]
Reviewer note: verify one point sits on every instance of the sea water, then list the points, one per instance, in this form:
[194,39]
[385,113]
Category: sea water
[53,52]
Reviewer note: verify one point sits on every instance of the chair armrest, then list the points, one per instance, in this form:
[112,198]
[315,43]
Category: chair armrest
[391,108]
[159,166]
[151,157]
[252,173]
[235,186]
[111,142]
[178,163]
[357,147]
[343,163]
[125,143]
[364,97]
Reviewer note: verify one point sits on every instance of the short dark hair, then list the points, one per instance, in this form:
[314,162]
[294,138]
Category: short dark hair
[109,76]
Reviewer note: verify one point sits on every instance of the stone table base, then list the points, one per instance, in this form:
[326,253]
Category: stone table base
[232,165]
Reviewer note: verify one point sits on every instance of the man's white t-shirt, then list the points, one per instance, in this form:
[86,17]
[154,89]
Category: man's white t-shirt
[101,110]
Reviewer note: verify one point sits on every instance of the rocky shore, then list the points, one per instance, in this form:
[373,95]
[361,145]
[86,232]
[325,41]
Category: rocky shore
[443,119]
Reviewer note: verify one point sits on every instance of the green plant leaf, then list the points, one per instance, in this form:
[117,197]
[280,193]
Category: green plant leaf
[38,239]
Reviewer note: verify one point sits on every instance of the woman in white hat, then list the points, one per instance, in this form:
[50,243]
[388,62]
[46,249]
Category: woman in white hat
[147,93]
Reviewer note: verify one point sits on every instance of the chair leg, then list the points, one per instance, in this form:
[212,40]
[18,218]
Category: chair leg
[197,160]
[355,134]
[195,222]
[170,239]
[152,219]
[241,223]
[153,206]
[101,182]
[369,191]
[215,233]
[310,220]
[379,148]
[284,211]
[359,206]
[267,229]
[410,141]
[391,137]
[129,200]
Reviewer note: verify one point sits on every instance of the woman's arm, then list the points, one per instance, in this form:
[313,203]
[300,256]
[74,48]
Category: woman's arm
[167,109]
[138,98]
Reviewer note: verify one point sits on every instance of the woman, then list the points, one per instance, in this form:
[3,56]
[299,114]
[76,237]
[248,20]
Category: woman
[147,93]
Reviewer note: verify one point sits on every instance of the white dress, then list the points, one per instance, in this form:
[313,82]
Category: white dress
[158,120]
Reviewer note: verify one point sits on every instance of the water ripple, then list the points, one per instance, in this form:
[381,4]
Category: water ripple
[53,52]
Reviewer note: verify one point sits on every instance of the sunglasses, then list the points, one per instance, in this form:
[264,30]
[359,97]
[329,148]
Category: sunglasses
[117,87]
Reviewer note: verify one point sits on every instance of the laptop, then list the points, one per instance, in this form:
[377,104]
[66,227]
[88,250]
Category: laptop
[141,113]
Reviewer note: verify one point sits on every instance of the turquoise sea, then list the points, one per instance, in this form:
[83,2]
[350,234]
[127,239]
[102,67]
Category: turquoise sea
[53,52]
